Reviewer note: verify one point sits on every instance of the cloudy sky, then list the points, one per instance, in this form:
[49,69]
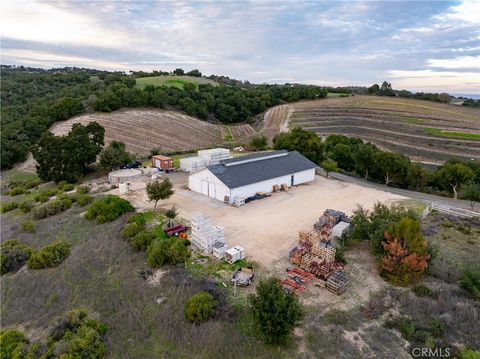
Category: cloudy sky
[420,46]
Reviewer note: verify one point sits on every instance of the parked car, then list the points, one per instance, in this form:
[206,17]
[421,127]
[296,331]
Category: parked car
[136,164]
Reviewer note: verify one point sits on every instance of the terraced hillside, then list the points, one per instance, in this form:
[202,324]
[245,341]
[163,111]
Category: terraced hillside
[275,120]
[425,131]
[145,129]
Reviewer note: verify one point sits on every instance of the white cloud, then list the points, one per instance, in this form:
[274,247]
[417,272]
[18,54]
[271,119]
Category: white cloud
[327,43]
[467,11]
[41,58]
[449,81]
[34,21]
[464,62]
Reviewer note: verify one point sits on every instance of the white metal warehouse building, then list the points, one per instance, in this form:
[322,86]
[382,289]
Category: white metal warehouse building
[245,176]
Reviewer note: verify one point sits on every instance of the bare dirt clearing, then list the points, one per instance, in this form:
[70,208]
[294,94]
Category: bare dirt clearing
[267,228]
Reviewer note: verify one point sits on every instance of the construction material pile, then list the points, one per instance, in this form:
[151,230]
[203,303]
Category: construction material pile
[333,223]
[316,255]
[205,236]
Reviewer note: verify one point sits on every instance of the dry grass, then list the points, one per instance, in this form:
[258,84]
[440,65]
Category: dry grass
[101,275]
[456,242]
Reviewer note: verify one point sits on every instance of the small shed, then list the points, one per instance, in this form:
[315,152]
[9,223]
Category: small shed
[162,162]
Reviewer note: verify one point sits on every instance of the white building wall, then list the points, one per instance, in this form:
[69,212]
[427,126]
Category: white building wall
[304,176]
[206,183]
[267,186]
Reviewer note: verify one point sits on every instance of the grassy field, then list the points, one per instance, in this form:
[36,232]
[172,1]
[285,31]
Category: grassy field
[173,80]
[438,132]
[19,176]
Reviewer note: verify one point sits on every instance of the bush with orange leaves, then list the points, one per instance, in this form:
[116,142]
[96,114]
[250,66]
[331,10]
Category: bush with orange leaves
[406,252]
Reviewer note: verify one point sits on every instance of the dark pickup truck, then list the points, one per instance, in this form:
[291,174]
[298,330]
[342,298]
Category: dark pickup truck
[136,164]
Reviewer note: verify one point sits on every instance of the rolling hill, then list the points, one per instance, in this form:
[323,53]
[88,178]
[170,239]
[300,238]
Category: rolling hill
[172,80]
[145,129]
[424,131]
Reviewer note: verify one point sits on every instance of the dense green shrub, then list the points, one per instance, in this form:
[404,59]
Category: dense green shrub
[77,335]
[372,225]
[65,186]
[9,206]
[82,189]
[469,354]
[407,328]
[11,343]
[470,281]
[108,208]
[170,250]
[141,218]
[84,199]
[49,256]
[28,226]
[275,312]
[200,307]
[142,240]
[13,256]
[39,212]
[32,183]
[25,206]
[44,194]
[58,205]
[72,197]
[131,230]
[421,290]
[258,143]
[428,334]
[15,191]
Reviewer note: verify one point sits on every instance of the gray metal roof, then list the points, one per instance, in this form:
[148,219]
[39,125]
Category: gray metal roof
[245,170]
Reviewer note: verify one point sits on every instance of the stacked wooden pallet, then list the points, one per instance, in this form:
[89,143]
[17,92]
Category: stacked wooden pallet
[337,282]
[311,236]
[327,253]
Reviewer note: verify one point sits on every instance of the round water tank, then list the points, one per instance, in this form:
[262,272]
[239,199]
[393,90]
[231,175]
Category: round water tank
[122,176]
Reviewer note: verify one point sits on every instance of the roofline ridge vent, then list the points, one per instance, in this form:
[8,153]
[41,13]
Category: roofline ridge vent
[256,159]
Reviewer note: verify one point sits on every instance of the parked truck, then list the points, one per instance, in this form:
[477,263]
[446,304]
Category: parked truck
[243,276]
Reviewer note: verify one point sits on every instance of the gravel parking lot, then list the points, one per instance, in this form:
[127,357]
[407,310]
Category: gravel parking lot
[267,228]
